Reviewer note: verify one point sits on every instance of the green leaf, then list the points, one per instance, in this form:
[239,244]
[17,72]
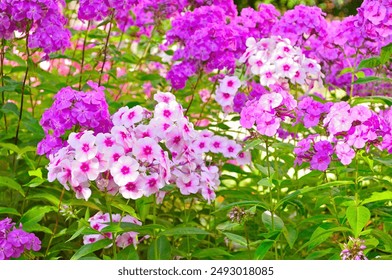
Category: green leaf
[346,70]
[370,62]
[212,253]
[10,108]
[160,249]
[252,144]
[12,184]
[321,234]
[238,239]
[128,253]
[90,248]
[272,224]
[367,79]
[384,237]
[35,182]
[311,189]
[183,231]
[126,208]
[41,195]
[10,211]
[35,214]
[386,53]
[265,182]
[36,173]
[357,217]
[291,235]
[372,99]
[263,249]
[378,196]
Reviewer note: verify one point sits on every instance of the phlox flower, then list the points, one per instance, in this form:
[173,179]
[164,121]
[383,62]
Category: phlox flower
[168,111]
[133,190]
[243,158]
[82,190]
[84,146]
[146,149]
[320,161]
[268,124]
[231,149]
[132,116]
[230,84]
[270,101]
[344,152]
[84,171]
[268,75]
[224,98]
[126,239]
[218,144]
[165,97]
[152,184]
[124,170]
[188,183]
[286,67]
[201,145]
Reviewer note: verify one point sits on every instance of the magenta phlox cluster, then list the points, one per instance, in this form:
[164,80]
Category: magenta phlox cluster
[310,111]
[86,109]
[348,129]
[100,220]
[305,26]
[376,18]
[14,241]
[258,23]
[42,19]
[143,152]
[206,43]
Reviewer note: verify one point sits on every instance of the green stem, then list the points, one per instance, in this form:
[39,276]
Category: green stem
[23,88]
[109,205]
[105,50]
[2,55]
[83,55]
[56,224]
[194,92]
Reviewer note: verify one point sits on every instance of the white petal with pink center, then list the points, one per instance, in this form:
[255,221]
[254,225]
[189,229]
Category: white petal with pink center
[152,184]
[230,84]
[84,171]
[146,149]
[133,190]
[125,170]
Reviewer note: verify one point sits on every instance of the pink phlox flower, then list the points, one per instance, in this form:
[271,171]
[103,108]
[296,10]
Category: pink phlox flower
[218,144]
[188,183]
[85,148]
[84,171]
[152,184]
[344,152]
[270,101]
[231,149]
[320,161]
[165,97]
[124,170]
[146,149]
[244,157]
[82,190]
[230,84]
[132,116]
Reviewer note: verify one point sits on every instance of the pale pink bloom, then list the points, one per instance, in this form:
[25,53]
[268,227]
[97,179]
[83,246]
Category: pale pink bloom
[124,170]
[311,66]
[205,95]
[160,127]
[133,190]
[201,145]
[126,239]
[160,196]
[146,149]
[152,184]
[345,153]
[340,122]
[285,49]
[244,158]
[230,84]
[224,98]
[83,143]
[257,62]
[123,137]
[218,144]
[299,77]
[142,131]
[165,97]
[360,113]
[168,111]
[92,238]
[231,149]
[103,162]
[208,194]
[84,171]
[82,190]
[104,141]
[270,101]
[132,116]
[117,117]
[286,67]
[106,185]
[174,139]
[188,183]
[268,75]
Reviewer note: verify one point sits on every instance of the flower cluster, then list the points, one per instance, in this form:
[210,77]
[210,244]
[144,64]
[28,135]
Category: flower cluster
[207,42]
[305,27]
[348,128]
[258,23]
[376,18]
[99,221]
[310,111]
[354,250]
[275,60]
[88,110]
[143,152]
[14,241]
[42,19]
